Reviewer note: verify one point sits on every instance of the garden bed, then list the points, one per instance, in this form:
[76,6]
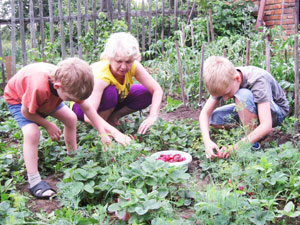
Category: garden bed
[206,176]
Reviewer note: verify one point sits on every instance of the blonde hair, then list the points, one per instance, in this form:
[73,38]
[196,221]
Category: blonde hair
[122,46]
[76,78]
[218,74]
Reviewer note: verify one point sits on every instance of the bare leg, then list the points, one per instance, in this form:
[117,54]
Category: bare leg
[31,134]
[106,114]
[248,119]
[115,116]
[69,119]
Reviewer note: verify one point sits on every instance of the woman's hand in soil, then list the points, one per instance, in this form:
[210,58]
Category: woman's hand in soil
[146,124]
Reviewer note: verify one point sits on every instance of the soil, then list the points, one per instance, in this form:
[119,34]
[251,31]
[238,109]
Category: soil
[181,113]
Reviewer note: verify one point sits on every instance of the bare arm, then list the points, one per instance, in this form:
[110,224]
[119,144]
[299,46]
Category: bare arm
[96,120]
[95,98]
[205,114]
[154,88]
[51,128]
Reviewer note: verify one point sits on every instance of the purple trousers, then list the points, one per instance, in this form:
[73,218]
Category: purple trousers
[138,98]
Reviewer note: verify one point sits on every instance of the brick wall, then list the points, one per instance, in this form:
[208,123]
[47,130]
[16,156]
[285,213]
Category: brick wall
[273,14]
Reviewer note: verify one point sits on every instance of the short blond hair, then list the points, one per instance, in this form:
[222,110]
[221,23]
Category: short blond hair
[76,78]
[121,45]
[218,74]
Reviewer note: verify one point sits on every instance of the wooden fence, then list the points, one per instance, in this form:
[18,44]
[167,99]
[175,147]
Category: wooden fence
[85,11]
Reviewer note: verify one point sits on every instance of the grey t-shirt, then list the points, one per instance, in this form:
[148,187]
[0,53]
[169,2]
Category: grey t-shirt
[263,86]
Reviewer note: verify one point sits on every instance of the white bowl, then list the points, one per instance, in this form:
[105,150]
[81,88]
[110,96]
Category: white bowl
[188,157]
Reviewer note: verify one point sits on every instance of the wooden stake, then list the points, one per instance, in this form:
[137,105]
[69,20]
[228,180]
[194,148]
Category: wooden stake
[192,34]
[248,53]
[296,57]
[260,13]
[224,52]
[180,74]
[211,25]
[268,55]
[201,77]
[207,29]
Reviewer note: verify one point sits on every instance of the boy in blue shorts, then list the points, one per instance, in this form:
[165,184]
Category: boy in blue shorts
[38,90]
[259,103]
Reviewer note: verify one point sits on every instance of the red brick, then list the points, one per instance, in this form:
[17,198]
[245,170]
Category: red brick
[270,23]
[272,12]
[290,1]
[274,6]
[290,32]
[271,2]
[288,21]
[288,27]
[289,16]
[276,12]
[272,17]
[278,6]
[291,11]
[278,17]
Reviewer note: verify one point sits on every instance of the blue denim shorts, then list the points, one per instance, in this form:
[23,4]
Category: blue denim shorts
[15,111]
[228,114]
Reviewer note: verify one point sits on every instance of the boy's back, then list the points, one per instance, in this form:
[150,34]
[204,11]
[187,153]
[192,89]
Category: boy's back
[263,86]
[31,87]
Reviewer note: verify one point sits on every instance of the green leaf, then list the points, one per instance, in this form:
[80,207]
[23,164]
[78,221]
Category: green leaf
[162,192]
[141,211]
[289,207]
[152,204]
[179,174]
[91,174]
[89,188]
[114,207]
[151,181]
[77,187]
[172,104]
[87,221]
[80,174]
[261,217]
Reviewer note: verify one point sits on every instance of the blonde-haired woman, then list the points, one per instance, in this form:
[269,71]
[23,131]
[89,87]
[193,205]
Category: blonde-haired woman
[114,94]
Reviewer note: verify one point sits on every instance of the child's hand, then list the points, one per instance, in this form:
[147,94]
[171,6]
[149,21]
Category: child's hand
[53,131]
[226,151]
[210,148]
